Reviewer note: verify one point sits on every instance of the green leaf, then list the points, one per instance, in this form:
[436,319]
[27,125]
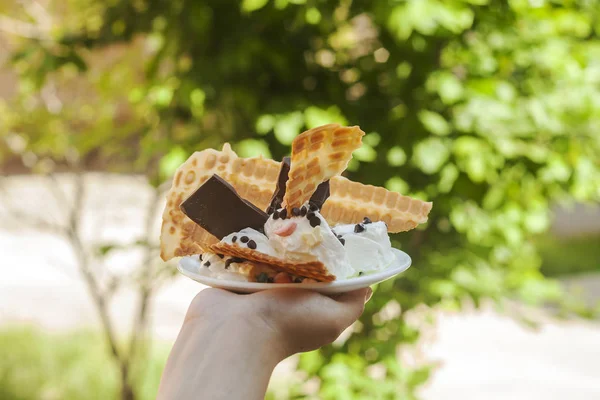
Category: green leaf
[397,184]
[288,127]
[316,116]
[311,362]
[537,221]
[365,153]
[161,95]
[253,5]
[253,148]
[430,155]
[372,139]
[264,124]
[448,176]
[434,123]
[171,161]
[396,156]
[313,16]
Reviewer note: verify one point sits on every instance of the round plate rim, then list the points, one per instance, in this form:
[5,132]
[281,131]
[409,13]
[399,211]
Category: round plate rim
[403,261]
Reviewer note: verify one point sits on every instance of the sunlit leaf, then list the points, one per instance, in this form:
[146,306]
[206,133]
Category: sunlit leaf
[365,153]
[371,139]
[171,161]
[288,127]
[316,116]
[264,124]
[397,184]
[396,156]
[253,5]
[430,155]
[253,148]
[434,123]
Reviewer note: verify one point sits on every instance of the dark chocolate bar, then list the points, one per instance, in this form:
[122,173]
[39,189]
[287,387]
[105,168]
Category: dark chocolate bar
[277,198]
[217,207]
[320,195]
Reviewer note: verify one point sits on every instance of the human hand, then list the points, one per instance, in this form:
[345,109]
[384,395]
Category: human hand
[294,320]
[226,335]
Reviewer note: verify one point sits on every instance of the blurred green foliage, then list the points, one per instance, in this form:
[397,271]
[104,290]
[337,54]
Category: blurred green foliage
[36,365]
[569,256]
[488,108]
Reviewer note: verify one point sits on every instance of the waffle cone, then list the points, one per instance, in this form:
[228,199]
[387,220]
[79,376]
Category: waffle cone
[312,269]
[350,202]
[318,155]
[253,179]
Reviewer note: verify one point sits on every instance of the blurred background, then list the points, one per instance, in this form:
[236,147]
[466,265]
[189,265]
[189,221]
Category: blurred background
[488,108]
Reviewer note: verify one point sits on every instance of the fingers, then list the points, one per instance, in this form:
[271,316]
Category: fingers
[352,304]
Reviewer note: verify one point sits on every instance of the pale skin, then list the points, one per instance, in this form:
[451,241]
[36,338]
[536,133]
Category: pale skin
[229,343]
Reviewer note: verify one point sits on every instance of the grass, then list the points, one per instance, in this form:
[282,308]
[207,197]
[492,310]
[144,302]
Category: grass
[75,366]
[569,256]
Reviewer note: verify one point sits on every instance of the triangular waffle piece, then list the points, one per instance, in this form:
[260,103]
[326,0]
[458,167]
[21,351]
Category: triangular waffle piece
[312,269]
[350,202]
[253,179]
[318,155]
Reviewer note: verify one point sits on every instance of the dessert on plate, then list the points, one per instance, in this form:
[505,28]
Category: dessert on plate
[298,220]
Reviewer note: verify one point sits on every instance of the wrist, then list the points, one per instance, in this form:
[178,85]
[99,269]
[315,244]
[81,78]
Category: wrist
[239,330]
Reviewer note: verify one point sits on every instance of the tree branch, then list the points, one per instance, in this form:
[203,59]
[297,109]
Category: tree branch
[83,262]
[146,278]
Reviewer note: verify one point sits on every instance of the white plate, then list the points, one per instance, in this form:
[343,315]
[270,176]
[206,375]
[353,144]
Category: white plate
[188,266]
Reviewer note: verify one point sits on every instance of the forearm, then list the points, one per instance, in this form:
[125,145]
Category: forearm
[230,361]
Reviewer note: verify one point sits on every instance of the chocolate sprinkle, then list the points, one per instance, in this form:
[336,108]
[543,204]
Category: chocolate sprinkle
[310,215]
[244,239]
[295,211]
[303,211]
[360,273]
[276,215]
[221,256]
[313,207]
[200,257]
[252,245]
[283,214]
[234,239]
[233,260]
[367,220]
[359,228]
[314,222]
[342,241]
[207,264]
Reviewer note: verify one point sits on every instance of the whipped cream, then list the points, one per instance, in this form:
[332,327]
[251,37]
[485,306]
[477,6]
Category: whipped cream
[346,250]
[246,235]
[308,243]
[370,248]
[215,266]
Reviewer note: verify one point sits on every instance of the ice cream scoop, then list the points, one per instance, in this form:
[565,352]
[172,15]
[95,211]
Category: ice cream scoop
[367,245]
[310,239]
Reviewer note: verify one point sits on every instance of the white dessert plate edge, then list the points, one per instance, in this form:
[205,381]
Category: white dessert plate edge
[402,262]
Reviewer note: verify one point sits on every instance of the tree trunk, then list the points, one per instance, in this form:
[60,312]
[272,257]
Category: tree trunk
[126,389]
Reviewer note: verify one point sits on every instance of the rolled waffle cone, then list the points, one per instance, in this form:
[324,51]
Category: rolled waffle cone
[318,155]
[253,179]
[312,269]
[350,202]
